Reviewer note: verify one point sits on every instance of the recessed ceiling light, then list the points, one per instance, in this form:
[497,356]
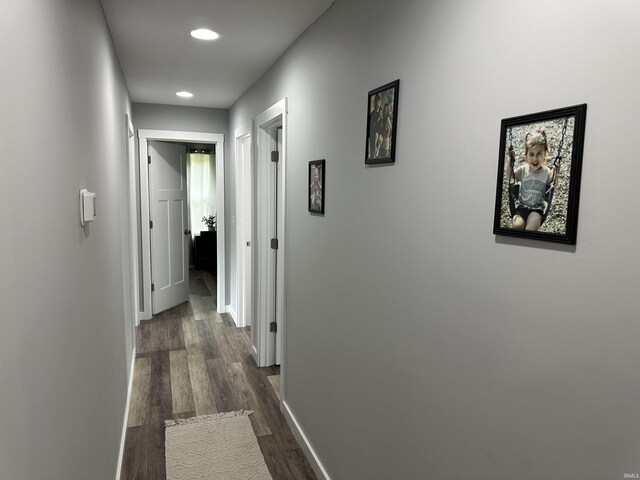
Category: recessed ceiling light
[184,94]
[204,34]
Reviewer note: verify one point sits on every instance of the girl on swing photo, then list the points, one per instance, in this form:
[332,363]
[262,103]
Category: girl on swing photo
[535,179]
[539,175]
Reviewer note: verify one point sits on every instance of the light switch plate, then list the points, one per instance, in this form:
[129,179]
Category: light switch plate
[87,206]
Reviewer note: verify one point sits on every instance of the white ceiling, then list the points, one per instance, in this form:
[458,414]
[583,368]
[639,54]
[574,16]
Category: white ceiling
[159,57]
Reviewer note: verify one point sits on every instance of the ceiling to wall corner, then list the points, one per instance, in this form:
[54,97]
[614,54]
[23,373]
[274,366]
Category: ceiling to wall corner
[159,57]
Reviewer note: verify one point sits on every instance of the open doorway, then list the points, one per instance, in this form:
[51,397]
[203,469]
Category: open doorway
[202,205]
[204,140]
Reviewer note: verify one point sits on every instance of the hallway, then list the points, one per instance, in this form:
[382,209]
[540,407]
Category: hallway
[192,361]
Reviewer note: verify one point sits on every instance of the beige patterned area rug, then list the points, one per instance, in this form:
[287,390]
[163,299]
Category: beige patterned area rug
[214,447]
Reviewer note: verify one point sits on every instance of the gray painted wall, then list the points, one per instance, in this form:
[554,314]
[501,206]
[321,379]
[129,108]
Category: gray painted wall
[187,119]
[67,334]
[420,345]
[192,119]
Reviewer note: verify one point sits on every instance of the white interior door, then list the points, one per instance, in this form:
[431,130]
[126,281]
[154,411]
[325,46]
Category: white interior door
[170,227]
[279,230]
[269,329]
[272,287]
[274,243]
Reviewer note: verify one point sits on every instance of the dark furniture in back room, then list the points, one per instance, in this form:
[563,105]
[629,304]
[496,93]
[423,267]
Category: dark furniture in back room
[205,250]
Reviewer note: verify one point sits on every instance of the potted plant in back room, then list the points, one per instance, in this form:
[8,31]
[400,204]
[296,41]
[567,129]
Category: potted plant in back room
[209,221]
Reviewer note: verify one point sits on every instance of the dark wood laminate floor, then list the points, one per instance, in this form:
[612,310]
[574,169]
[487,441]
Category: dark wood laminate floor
[192,361]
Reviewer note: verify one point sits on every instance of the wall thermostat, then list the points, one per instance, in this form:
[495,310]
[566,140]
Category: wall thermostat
[87,206]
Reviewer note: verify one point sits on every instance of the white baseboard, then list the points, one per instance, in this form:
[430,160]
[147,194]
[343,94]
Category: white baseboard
[126,416]
[321,473]
[232,311]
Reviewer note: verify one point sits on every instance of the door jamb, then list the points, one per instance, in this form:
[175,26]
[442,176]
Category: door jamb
[243,271]
[216,139]
[133,222]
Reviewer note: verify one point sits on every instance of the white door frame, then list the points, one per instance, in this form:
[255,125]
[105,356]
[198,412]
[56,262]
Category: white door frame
[133,223]
[265,296]
[216,139]
[244,234]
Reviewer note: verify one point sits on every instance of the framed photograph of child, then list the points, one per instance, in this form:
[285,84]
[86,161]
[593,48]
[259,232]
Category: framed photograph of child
[382,119]
[316,186]
[539,167]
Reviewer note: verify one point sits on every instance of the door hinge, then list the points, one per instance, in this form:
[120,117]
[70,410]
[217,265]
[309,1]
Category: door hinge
[150,223]
[153,287]
[274,243]
[273,327]
[149,159]
[275,156]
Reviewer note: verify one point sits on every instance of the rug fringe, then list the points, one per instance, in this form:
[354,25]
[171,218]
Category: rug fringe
[206,418]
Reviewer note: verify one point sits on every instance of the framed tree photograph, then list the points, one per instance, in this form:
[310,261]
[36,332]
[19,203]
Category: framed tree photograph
[382,118]
[316,186]
[539,168]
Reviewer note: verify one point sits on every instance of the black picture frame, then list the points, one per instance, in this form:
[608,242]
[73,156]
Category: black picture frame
[316,185]
[382,121]
[562,130]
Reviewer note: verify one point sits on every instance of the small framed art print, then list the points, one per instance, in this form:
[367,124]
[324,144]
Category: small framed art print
[316,186]
[382,119]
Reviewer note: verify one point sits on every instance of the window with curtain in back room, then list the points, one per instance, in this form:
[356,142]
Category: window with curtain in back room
[202,189]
